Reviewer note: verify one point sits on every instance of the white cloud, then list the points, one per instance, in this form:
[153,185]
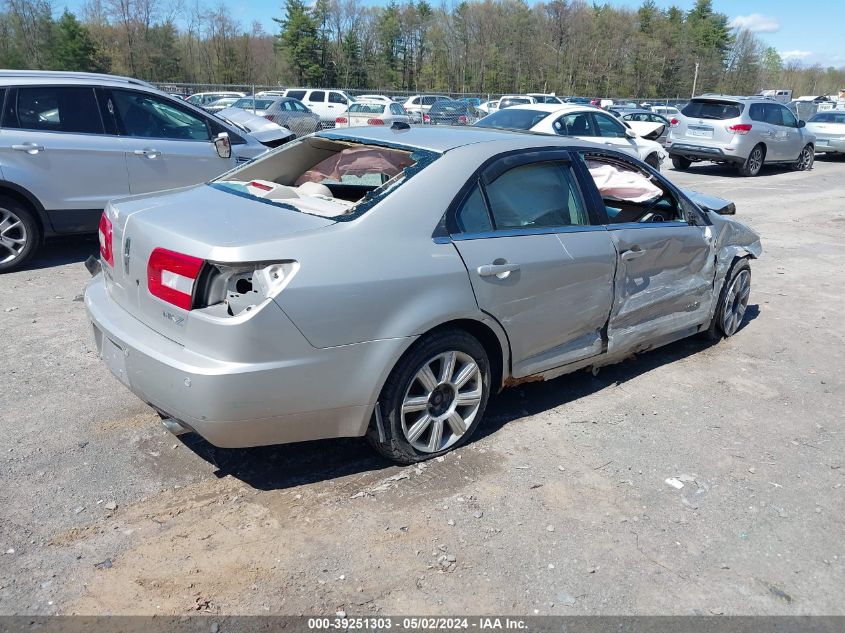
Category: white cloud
[795,54]
[756,23]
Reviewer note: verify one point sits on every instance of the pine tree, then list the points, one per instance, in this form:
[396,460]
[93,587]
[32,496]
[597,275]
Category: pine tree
[73,47]
[298,41]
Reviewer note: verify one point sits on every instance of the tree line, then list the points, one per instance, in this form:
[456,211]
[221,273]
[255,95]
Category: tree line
[473,46]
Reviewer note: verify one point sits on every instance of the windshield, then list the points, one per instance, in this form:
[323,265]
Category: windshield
[513,119]
[708,109]
[366,108]
[257,104]
[828,117]
[507,103]
[447,107]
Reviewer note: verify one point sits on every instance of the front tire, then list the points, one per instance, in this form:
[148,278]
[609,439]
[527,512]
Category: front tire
[805,159]
[20,234]
[733,302]
[434,398]
[754,163]
[681,163]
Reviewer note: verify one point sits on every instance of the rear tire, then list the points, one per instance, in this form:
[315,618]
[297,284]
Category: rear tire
[434,399]
[20,234]
[754,163]
[733,302]
[805,159]
[681,163]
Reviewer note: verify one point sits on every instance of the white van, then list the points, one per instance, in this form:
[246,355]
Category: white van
[328,104]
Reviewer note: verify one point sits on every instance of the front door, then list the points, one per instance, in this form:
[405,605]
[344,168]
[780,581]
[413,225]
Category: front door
[664,278]
[166,145]
[537,263]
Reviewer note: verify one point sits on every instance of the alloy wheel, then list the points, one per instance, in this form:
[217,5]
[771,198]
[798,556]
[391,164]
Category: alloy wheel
[805,159]
[441,401]
[13,236]
[755,161]
[736,302]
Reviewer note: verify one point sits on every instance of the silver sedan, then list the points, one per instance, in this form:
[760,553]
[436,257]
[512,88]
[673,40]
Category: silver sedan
[383,282]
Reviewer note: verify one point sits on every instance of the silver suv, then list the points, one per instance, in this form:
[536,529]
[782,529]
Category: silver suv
[70,142]
[743,131]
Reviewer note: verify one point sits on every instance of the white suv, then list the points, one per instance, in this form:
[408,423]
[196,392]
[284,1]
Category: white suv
[70,142]
[328,104]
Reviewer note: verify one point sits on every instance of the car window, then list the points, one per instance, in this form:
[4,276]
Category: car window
[756,112]
[575,124]
[539,195]
[472,217]
[772,114]
[58,109]
[299,106]
[317,96]
[415,101]
[513,119]
[712,109]
[366,108]
[828,117]
[609,128]
[336,97]
[295,94]
[395,108]
[789,119]
[148,116]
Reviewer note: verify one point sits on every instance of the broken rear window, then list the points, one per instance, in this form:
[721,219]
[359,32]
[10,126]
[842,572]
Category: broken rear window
[331,177]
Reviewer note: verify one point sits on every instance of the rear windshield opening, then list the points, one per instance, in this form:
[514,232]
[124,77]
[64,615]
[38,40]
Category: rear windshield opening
[326,177]
[712,109]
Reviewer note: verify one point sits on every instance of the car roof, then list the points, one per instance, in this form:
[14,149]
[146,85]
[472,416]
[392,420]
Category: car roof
[553,108]
[444,138]
[34,77]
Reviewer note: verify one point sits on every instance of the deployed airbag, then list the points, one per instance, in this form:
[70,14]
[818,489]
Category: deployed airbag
[627,185]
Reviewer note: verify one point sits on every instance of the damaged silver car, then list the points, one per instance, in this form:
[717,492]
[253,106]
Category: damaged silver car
[383,282]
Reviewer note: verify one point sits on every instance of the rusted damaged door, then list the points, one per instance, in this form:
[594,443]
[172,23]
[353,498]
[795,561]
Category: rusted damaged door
[664,282]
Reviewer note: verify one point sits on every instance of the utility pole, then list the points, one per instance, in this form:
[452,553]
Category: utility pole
[694,80]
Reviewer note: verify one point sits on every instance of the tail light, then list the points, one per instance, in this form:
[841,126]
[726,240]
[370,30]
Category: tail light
[270,117]
[739,128]
[462,120]
[375,122]
[426,118]
[172,276]
[105,234]
[341,119]
[674,122]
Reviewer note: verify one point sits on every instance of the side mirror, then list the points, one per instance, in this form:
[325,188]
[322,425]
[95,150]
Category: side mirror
[223,145]
[712,203]
[630,133]
[802,123]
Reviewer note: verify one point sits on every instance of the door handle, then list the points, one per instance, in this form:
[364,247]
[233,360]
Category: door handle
[499,270]
[147,153]
[632,254]
[29,148]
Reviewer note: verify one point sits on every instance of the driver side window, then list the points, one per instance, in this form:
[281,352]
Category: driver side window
[631,195]
[147,116]
[609,128]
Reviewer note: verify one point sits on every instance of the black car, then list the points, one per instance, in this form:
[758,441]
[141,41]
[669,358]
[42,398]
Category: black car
[448,112]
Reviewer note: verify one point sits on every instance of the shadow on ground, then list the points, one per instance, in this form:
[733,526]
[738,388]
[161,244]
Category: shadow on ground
[288,465]
[63,250]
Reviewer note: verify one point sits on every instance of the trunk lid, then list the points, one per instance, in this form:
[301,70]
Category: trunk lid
[203,222]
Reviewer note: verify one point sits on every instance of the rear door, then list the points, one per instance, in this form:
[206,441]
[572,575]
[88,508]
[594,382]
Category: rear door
[666,258]
[167,145]
[793,137]
[54,143]
[536,261]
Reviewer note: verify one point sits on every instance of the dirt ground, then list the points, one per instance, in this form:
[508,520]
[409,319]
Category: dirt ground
[560,506]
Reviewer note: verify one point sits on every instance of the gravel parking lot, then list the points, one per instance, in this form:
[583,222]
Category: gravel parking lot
[561,506]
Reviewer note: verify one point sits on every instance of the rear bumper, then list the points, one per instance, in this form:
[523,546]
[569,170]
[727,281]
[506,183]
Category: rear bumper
[702,152]
[314,394]
[830,145]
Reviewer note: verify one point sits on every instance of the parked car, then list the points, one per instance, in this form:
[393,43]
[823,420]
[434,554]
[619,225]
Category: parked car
[203,99]
[666,111]
[381,98]
[473,101]
[646,124]
[488,107]
[584,122]
[72,141]
[829,129]
[451,113]
[418,105]
[265,94]
[328,104]
[258,127]
[747,132]
[216,106]
[492,259]
[509,101]
[256,105]
[540,97]
[373,113]
[292,114]
[578,100]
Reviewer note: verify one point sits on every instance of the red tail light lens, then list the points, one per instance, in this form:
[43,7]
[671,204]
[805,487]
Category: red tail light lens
[426,118]
[674,122]
[739,128]
[462,120]
[105,234]
[270,117]
[341,119]
[172,276]
[375,122]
